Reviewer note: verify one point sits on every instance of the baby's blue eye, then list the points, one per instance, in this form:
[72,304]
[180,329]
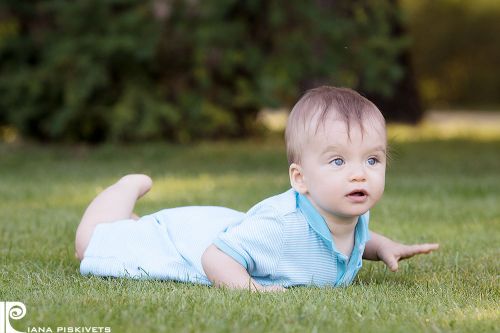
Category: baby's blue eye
[337,162]
[372,161]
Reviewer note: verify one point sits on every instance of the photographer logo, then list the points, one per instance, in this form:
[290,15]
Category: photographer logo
[8,311]
[17,310]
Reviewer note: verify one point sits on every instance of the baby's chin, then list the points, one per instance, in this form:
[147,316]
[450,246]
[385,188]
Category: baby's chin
[349,214]
[352,213]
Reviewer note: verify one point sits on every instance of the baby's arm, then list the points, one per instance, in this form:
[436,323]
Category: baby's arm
[390,252]
[222,270]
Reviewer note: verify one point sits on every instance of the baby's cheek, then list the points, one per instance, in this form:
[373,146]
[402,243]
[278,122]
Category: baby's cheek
[378,191]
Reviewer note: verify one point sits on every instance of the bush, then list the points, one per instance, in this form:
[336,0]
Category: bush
[181,70]
[456,61]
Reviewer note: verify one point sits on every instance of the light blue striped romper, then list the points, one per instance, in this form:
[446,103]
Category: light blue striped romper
[282,240]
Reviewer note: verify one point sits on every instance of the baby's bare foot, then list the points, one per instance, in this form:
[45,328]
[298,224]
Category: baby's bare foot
[143,183]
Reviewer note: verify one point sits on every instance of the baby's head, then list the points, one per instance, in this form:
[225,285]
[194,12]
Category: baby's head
[320,105]
[336,145]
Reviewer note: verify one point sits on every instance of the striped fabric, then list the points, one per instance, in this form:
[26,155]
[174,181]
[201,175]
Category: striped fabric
[282,240]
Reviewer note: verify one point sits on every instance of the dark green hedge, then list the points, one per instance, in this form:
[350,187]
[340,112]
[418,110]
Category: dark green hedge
[456,51]
[181,70]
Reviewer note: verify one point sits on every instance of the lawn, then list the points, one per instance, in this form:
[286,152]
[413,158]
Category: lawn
[437,191]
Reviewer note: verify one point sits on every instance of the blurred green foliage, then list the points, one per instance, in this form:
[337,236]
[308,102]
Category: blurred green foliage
[128,70]
[456,51]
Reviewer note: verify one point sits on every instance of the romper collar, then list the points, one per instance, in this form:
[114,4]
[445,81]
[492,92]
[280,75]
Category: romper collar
[318,223]
[315,220]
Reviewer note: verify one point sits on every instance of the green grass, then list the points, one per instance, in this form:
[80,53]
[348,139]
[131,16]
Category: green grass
[439,191]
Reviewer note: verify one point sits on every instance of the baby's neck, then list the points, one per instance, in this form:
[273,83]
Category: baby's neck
[343,235]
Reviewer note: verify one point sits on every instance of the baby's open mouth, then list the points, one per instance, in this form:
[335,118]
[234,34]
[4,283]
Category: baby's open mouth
[357,196]
[358,193]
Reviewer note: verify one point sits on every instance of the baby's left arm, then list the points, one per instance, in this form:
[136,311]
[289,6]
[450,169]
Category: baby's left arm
[390,252]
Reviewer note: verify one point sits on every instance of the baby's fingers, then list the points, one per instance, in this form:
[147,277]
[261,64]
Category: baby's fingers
[428,247]
[419,249]
[273,288]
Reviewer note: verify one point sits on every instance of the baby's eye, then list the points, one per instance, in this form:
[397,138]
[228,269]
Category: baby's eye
[372,161]
[337,161]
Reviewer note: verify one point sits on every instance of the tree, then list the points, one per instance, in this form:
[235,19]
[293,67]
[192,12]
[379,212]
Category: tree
[181,70]
[403,104]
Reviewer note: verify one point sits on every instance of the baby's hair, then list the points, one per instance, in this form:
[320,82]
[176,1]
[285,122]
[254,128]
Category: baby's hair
[316,105]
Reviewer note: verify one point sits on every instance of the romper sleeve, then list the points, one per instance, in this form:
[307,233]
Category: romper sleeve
[256,242]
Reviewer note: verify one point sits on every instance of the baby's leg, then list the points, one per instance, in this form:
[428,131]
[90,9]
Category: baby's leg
[114,203]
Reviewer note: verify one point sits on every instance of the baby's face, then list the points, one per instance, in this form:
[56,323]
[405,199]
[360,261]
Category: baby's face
[344,173]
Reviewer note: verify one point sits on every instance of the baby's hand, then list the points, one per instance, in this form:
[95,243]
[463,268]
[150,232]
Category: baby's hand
[271,288]
[392,252]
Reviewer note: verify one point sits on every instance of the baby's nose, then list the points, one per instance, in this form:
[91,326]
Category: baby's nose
[358,175]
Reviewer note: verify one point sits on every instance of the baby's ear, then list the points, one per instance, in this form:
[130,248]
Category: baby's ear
[297,179]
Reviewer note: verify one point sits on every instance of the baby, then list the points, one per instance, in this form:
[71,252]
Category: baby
[316,233]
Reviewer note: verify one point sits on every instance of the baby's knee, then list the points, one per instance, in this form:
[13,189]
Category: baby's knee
[142,182]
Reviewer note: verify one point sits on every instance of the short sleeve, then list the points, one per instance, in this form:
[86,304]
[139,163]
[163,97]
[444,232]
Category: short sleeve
[256,243]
